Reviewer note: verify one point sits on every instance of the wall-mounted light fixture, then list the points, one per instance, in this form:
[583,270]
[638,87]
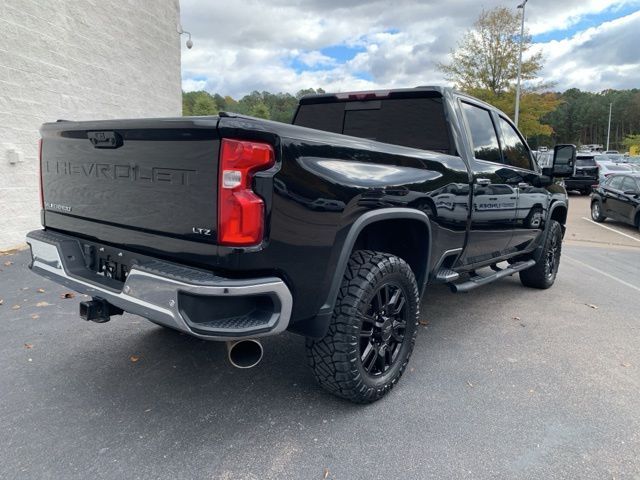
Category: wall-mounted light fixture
[182,32]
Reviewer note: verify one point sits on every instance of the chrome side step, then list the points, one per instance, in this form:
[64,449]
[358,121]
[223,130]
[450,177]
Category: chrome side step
[446,275]
[479,280]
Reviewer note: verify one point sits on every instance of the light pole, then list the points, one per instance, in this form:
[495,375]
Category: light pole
[522,5]
[609,127]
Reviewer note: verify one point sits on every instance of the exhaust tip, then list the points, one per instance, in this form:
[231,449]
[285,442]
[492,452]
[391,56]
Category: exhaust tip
[244,353]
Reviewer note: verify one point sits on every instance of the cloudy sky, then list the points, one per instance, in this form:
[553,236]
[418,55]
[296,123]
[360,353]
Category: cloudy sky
[341,45]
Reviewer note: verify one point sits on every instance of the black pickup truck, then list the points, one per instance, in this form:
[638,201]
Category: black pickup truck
[232,228]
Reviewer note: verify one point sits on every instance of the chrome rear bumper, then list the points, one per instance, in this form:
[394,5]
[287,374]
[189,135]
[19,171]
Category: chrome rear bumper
[194,301]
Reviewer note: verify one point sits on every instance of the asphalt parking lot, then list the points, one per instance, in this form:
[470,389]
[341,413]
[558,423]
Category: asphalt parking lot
[505,382]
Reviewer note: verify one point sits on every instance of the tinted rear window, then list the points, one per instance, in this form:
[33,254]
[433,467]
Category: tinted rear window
[585,162]
[411,122]
[321,116]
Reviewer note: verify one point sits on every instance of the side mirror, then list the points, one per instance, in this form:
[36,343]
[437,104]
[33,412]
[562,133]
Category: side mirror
[543,180]
[564,160]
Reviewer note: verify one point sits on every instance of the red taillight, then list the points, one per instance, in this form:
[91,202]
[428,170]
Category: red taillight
[40,173]
[240,210]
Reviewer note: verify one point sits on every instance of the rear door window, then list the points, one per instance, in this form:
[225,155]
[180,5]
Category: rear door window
[514,150]
[615,183]
[629,185]
[483,133]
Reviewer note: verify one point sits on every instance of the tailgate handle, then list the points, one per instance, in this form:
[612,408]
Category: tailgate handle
[105,139]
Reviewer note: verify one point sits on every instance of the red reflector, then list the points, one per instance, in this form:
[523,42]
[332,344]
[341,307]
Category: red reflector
[40,172]
[240,210]
[363,96]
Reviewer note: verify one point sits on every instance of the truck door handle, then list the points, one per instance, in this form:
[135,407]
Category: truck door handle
[483,181]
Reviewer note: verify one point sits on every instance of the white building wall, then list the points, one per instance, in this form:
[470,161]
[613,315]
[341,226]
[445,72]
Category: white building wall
[76,60]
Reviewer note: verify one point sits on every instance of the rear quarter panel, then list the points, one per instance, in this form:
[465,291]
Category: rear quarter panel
[324,183]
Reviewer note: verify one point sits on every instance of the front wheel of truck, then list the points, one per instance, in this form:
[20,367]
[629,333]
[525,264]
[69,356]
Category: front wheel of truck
[372,330]
[543,273]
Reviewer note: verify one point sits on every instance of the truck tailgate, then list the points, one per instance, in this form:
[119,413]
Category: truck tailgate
[154,175]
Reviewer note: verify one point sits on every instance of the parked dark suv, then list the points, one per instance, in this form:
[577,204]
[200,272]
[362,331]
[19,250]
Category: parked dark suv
[618,199]
[585,176]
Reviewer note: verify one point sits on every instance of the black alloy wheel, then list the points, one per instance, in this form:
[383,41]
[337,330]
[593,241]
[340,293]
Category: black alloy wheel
[543,274]
[372,331]
[383,329]
[552,256]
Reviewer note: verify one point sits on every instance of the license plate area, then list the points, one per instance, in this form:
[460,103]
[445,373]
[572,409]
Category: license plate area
[108,262]
[111,268]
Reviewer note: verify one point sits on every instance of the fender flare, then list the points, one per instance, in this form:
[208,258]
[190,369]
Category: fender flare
[558,203]
[554,205]
[368,218]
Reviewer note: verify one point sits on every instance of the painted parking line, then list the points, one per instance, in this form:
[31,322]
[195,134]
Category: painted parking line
[605,274]
[612,229]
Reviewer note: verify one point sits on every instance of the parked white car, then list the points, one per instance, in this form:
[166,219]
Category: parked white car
[607,168]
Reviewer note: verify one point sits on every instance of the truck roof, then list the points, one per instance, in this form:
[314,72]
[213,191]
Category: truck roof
[420,91]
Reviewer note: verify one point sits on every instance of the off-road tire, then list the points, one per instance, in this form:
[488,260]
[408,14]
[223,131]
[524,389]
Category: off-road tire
[336,358]
[543,273]
[596,211]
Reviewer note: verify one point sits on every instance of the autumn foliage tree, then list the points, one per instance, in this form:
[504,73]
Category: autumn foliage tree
[485,65]
[487,56]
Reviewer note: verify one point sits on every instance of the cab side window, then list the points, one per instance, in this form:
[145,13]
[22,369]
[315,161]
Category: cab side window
[483,133]
[514,150]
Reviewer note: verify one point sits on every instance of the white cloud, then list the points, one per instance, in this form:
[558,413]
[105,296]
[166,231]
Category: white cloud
[190,85]
[277,46]
[598,58]
[315,59]
[549,16]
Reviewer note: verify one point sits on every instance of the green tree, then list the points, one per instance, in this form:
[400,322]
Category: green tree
[199,103]
[230,104]
[583,117]
[632,141]
[259,110]
[221,103]
[487,56]
[308,91]
[275,106]
[205,105]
